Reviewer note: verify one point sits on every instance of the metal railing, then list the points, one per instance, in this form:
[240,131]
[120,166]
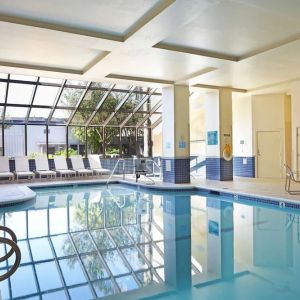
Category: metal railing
[155,164]
[13,249]
[114,169]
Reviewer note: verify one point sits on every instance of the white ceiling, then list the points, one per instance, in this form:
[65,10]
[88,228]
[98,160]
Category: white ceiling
[69,37]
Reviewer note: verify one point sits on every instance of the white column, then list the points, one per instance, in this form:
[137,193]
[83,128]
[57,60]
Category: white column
[218,108]
[176,142]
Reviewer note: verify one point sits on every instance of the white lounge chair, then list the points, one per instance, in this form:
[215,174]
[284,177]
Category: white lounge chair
[78,166]
[4,168]
[61,166]
[22,168]
[42,167]
[95,165]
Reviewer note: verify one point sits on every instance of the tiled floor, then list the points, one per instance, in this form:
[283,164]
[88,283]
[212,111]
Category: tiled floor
[271,188]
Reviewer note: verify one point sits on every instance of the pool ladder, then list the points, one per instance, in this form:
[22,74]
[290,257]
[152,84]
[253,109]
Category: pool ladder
[14,248]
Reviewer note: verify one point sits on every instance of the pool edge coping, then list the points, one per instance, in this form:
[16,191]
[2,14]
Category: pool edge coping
[229,192]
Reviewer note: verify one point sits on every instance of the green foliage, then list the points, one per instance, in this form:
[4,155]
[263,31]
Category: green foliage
[63,152]
[33,155]
[88,105]
[112,150]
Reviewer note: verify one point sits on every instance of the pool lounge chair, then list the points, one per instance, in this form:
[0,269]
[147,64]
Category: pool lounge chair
[78,166]
[96,166]
[4,168]
[289,178]
[61,167]
[22,168]
[42,167]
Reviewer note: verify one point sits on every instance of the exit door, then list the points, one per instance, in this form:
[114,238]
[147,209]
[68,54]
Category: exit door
[268,154]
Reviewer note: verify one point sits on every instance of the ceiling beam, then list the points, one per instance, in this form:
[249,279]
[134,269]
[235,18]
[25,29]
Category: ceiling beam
[58,27]
[40,67]
[196,51]
[150,15]
[136,78]
[218,87]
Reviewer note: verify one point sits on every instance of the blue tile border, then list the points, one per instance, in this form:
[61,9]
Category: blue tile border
[237,198]
[179,171]
[244,166]
[218,168]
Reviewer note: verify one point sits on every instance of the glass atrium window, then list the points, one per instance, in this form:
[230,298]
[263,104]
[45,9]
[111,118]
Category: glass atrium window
[23,77]
[51,80]
[57,140]
[77,82]
[69,97]
[100,117]
[103,85]
[3,76]
[39,114]
[2,92]
[20,93]
[17,114]
[118,118]
[61,116]
[45,95]
[116,107]
[1,146]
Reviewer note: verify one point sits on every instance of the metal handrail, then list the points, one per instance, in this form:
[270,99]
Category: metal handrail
[154,163]
[114,169]
[116,200]
[13,249]
[14,239]
[17,251]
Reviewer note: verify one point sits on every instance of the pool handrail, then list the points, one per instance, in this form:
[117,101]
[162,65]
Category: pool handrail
[114,169]
[154,163]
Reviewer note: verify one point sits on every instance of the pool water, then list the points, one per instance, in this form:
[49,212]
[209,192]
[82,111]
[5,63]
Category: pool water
[91,242]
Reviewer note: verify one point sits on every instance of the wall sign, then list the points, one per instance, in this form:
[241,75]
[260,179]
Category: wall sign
[212,137]
[168,145]
[213,227]
[182,145]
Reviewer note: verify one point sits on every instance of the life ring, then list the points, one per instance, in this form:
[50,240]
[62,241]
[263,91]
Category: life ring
[227,152]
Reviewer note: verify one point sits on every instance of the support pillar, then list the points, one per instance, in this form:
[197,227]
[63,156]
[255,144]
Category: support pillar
[177,242]
[175,131]
[220,239]
[219,163]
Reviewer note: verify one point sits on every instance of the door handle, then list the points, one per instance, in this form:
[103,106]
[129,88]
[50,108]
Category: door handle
[258,153]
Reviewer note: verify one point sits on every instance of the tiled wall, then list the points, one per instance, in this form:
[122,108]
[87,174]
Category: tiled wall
[176,170]
[219,169]
[244,166]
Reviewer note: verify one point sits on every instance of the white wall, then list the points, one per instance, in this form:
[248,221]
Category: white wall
[212,121]
[175,121]
[242,125]
[295,96]
[268,112]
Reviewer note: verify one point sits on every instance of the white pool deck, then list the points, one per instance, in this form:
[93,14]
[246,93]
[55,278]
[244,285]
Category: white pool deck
[263,188]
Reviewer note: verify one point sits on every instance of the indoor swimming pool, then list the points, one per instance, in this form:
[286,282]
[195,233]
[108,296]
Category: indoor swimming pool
[121,242]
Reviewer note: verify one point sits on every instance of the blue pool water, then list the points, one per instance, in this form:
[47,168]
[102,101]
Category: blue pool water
[91,242]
